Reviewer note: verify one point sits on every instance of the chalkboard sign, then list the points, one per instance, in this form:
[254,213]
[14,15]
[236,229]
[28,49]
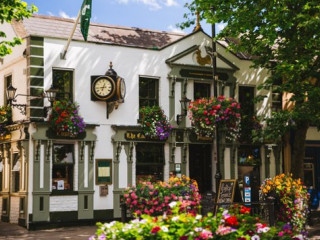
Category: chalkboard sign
[229,192]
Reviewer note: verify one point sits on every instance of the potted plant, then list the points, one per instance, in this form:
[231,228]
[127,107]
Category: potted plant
[154,122]
[292,198]
[154,198]
[65,120]
[208,113]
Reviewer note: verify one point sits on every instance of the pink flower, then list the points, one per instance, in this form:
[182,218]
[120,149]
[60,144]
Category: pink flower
[205,234]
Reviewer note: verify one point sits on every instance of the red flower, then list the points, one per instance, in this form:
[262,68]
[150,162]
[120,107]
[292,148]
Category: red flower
[232,221]
[155,229]
[244,210]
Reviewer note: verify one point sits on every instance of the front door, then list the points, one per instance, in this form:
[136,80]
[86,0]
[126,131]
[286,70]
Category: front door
[200,166]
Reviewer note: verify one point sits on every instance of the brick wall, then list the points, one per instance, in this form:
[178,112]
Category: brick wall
[63,203]
[14,209]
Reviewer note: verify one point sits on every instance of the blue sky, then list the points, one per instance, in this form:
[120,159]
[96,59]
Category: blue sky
[160,15]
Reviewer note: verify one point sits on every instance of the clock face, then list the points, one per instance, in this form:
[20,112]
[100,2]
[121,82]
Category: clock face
[121,91]
[103,88]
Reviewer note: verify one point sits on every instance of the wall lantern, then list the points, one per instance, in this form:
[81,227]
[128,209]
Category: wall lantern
[185,102]
[51,94]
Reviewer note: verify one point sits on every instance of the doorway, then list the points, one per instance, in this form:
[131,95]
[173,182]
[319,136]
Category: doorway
[200,166]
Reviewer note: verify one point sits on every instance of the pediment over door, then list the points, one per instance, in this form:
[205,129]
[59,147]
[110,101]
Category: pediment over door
[198,56]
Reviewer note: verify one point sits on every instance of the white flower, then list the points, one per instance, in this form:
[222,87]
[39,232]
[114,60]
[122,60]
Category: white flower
[109,225]
[225,212]
[198,217]
[198,229]
[176,218]
[255,237]
[173,204]
[164,228]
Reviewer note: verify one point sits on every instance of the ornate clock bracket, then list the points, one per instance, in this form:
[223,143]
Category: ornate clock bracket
[111,106]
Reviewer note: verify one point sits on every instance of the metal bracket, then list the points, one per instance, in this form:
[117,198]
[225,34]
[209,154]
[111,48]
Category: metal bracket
[111,106]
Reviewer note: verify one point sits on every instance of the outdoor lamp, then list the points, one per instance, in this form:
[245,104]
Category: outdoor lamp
[11,92]
[51,94]
[11,97]
[185,102]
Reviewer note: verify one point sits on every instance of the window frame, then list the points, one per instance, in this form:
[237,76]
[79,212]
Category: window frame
[156,90]
[203,83]
[71,94]
[70,180]
[6,85]
[159,164]
[15,175]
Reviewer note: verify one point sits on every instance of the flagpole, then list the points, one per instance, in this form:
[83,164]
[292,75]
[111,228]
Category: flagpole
[63,54]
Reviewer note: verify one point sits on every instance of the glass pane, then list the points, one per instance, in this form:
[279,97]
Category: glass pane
[152,89]
[63,153]
[201,90]
[62,176]
[150,153]
[62,80]
[148,92]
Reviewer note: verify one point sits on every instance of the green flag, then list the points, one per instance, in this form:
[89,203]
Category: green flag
[85,18]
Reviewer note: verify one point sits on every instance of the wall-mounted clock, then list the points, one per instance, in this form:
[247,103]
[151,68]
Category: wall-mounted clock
[102,88]
[121,88]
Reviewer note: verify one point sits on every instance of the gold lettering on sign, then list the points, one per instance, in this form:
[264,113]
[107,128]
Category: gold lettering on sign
[135,136]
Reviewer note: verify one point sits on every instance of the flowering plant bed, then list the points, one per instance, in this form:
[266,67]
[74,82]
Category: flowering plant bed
[65,119]
[208,113]
[154,122]
[154,198]
[5,119]
[233,224]
[292,198]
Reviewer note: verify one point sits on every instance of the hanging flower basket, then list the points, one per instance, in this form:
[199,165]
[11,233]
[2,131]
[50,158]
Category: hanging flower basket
[65,120]
[208,113]
[5,119]
[154,122]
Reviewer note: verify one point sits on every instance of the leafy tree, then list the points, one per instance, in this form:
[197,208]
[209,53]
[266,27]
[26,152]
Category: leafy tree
[9,10]
[285,38]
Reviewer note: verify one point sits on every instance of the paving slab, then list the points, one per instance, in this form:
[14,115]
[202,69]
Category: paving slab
[13,231]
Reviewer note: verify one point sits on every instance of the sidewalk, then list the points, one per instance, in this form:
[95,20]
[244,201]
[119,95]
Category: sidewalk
[314,231]
[13,231]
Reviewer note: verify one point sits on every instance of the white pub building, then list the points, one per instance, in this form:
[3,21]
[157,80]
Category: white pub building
[39,187]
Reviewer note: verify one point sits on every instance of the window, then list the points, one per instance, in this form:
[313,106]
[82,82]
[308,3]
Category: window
[246,97]
[248,119]
[150,161]
[62,167]
[148,91]
[7,83]
[15,184]
[201,90]
[63,80]
[1,171]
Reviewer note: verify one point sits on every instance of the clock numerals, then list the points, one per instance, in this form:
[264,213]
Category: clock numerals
[103,88]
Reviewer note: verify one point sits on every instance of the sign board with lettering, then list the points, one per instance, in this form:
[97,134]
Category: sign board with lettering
[103,171]
[229,192]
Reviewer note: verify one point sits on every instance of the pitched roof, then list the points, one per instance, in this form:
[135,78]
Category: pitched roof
[56,27]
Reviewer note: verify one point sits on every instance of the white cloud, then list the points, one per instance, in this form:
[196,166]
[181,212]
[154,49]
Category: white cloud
[220,26]
[174,29]
[170,3]
[65,15]
[50,13]
[153,4]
